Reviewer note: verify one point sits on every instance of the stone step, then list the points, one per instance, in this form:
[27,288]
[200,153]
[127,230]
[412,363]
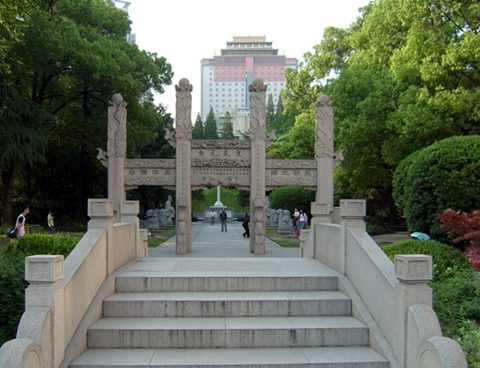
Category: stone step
[238,332]
[227,304]
[142,283]
[324,357]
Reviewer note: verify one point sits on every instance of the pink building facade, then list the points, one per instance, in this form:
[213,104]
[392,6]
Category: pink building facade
[225,78]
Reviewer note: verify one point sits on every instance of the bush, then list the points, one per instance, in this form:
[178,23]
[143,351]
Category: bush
[378,229]
[469,340]
[12,273]
[447,261]
[443,175]
[288,198]
[456,300]
[40,244]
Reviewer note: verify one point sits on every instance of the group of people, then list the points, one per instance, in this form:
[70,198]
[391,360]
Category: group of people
[21,220]
[301,217]
[298,216]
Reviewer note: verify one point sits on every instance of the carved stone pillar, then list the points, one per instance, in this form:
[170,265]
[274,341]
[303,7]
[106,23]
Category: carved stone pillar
[322,209]
[117,151]
[100,211]
[258,136]
[183,137]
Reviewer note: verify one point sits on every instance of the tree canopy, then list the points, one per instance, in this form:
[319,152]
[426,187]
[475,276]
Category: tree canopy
[403,76]
[227,132]
[61,61]
[197,130]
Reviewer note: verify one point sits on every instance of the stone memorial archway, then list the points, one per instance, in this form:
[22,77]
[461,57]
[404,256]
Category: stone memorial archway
[201,163]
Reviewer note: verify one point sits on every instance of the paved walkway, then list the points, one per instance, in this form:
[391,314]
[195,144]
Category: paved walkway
[209,242]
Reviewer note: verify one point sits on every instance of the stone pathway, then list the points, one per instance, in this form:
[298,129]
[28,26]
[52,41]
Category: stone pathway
[209,242]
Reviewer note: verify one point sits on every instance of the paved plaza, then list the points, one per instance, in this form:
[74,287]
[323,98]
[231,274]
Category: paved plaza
[209,242]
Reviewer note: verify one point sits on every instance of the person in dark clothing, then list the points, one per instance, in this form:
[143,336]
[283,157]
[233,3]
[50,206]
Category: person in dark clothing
[223,219]
[245,225]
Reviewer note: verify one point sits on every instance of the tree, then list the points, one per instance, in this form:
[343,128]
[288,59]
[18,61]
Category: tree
[68,57]
[441,176]
[211,126]
[270,110]
[402,76]
[227,132]
[197,131]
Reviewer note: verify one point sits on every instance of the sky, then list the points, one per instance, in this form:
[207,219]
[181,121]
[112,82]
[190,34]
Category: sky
[185,32]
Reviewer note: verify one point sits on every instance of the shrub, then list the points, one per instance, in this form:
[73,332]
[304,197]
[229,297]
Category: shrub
[446,259]
[456,300]
[40,244]
[469,340]
[12,273]
[443,175]
[288,198]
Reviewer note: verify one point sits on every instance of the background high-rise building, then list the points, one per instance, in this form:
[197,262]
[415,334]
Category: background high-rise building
[225,78]
[125,5]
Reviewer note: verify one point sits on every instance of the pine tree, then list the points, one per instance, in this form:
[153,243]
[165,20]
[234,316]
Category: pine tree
[227,132]
[197,131]
[270,110]
[210,129]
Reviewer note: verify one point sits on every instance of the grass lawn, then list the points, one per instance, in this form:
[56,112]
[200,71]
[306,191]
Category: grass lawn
[227,196]
[283,240]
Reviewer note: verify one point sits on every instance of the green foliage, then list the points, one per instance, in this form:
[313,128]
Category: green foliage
[197,130]
[375,229]
[40,244]
[66,59]
[227,196]
[210,129]
[243,198]
[12,297]
[291,197]
[469,339]
[446,259]
[456,300]
[227,132]
[443,175]
[12,283]
[270,110]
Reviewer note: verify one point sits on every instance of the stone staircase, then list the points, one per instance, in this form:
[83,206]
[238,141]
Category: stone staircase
[217,321]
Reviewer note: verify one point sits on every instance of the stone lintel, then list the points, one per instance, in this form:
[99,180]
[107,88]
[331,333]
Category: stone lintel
[44,268]
[413,268]
[353,208]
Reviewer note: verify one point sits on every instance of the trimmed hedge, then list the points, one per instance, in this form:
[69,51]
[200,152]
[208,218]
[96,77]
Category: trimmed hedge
[443,175]
[446,259]
[291,197]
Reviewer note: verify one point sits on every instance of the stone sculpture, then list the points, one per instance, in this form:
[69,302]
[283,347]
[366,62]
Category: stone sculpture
[268,211]
[274,219]
[285,223]
[169,211]
[184,110]
[258,110]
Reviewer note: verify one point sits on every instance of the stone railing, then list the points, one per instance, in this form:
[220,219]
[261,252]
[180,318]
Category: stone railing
[393,300]
[65,298]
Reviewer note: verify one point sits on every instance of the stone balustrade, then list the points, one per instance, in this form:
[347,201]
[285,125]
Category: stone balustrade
[65,298]
[394,300]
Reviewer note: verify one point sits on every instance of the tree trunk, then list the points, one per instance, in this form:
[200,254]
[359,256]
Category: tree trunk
[7,179]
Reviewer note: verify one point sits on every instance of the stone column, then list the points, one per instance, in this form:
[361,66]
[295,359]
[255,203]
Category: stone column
[413,273]
[183,137]
[100,211]
[129,213]
[117,151]
[352,214]
[44,274]
[258,136]
[322,209]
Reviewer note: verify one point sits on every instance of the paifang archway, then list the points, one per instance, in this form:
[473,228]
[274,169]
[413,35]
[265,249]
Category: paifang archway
[201,163]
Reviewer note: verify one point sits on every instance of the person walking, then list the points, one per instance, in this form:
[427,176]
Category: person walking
[296,217]
[303,219]
[213,215]
[245,225]
[51,227]
[20,223]
[223,219]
